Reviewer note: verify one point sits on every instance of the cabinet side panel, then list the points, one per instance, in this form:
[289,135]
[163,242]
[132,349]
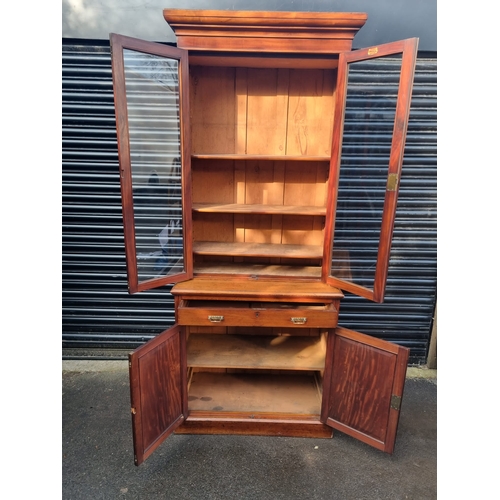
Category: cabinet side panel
[310,113]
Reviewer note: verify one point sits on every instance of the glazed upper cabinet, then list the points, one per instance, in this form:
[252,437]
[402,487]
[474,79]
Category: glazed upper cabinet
[238,151]
[232,166]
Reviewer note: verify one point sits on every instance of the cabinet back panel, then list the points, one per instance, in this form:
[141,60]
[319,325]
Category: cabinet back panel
[264,182]
[213,181]
[302,230]
[267,104]
[213,112]
[262,228]
[306,183]
[213,227]
[310,112]
[266,331]
[261,110]
[259,182]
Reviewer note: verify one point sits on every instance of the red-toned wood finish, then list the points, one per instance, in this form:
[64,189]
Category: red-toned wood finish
[363,387]
[118,44]
[259,31]
[358,381]
[408,49]
[257,314]
[157,390]
[255,425]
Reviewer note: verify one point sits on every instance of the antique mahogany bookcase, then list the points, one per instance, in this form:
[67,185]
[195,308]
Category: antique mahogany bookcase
[232,146]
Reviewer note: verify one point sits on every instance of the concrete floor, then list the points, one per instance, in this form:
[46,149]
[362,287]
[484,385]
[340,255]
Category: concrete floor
[97,448]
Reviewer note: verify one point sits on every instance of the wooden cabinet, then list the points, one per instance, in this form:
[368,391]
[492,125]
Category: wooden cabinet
[232,148]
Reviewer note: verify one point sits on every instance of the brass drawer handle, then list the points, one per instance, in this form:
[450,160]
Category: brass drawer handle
[299,321]
[215,319]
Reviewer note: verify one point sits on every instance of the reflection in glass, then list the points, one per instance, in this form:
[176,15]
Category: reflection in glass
[152,88]
[368,128]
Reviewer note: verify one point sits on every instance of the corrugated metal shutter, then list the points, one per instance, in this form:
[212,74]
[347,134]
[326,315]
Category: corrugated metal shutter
[98,314]
[405,317]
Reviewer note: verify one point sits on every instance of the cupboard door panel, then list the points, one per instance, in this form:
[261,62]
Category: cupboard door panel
[158,390]
[364,384]
[150,83]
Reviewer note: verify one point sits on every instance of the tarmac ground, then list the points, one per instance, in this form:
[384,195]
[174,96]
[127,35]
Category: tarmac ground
[97,452]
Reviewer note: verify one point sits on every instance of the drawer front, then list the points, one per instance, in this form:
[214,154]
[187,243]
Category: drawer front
[200,313]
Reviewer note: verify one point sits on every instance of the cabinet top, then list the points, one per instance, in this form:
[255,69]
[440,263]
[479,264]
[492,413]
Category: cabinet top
[264,31]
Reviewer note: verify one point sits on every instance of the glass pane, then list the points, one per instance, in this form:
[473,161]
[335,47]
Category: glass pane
[372,92]
[152,88]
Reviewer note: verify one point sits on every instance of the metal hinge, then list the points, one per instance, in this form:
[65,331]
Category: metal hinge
[392,182]
[395,402]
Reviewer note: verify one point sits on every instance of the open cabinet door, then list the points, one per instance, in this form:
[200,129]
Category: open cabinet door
[373,96]
[151,89]
[363,387]
[158,390]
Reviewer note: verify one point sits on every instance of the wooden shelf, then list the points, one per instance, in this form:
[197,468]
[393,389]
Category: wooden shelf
[246,157]
[226,392]
[273,270]
[258,209]
[258,250]
[255,352]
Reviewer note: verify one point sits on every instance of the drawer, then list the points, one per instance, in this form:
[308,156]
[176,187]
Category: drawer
[236,313]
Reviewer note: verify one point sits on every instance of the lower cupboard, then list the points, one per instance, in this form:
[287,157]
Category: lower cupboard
[269,381]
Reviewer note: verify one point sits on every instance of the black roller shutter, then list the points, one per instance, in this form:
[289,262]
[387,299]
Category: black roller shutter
[98,314]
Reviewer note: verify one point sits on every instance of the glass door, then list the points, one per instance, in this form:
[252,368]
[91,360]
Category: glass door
[150,83]
[373,95]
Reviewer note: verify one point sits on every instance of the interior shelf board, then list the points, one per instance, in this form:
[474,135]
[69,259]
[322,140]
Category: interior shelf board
[258,209]
[258,250]
[275,270]
[256,352]
[252,392]
[230,156]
